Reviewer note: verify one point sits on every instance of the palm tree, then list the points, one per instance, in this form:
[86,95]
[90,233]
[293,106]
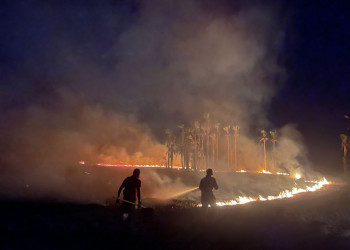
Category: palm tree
[273,134]
[172,143]
[201,146]
[227,130]
[344,145]
[196,132]
[187,151]
[207,131]
[191,147]
[182,146]
[213,143]
[235,134]
[170,146]
[264,139]
[217,127]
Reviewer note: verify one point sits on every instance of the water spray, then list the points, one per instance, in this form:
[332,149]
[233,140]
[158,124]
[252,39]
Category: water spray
[183,192]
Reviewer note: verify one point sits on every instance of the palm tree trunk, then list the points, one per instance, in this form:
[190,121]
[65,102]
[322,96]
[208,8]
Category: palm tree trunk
[172,155]
[182,147]
[195,152]
[265,161]
[273,156]
[236,153]
[208,150]
[213,144]
[228,152]
[217,148]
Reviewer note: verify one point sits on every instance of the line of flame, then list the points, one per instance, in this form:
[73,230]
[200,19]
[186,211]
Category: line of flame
[135,165]
[282,195]
[297,176]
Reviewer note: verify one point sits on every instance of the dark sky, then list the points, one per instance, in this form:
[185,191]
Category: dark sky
[316,53]
[43,42]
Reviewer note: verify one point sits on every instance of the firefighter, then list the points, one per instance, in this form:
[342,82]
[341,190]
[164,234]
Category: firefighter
[132,190]
[206,186]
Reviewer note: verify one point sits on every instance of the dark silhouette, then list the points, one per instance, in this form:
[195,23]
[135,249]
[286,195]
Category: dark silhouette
[206,186]
[131,186]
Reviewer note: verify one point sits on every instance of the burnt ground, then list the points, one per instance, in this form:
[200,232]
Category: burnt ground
[319,220]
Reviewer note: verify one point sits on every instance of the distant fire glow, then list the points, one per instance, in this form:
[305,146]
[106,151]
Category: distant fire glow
[315,185]
[265,172]
[279,173]
[135,166]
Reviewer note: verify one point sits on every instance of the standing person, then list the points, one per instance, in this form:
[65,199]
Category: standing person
[132,186]
[207,185]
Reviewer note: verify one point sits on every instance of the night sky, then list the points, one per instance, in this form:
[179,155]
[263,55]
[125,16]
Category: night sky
[50,45]
[315,96]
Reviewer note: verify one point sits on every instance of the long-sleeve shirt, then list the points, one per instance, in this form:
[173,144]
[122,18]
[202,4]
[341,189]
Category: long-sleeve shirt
[132,186]
[207,184]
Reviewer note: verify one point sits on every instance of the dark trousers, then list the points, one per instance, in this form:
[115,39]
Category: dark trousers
[208,198]
[130,210]
[205,204]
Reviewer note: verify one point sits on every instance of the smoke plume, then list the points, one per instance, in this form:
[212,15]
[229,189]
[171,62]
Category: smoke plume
[109,81]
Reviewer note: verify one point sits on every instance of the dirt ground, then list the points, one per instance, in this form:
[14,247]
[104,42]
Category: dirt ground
[319,220]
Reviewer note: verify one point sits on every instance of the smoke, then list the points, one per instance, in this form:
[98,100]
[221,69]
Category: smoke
[184,64]
[118,80]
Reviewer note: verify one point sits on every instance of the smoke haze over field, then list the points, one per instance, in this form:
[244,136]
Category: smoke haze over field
[103,82]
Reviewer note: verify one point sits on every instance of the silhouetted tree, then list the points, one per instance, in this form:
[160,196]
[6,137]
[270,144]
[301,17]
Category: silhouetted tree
[207,133]
[264,139]
[213,143]
[182,145]
[217,127]
[235,136]
[344,145]
[227,129]
[273,134]
[170,146]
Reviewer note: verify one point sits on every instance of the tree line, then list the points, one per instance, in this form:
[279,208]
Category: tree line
[198,145]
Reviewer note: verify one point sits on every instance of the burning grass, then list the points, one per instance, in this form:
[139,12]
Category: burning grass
[282,195]
[180,189]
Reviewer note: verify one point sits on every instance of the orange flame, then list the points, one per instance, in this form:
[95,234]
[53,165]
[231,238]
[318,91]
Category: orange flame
[282,195]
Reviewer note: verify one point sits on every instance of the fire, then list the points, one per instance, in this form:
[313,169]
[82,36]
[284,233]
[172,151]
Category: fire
[280,173]
[282,195]
[244,200]
[135,166]
[265,172]
[297,176]
[241,199]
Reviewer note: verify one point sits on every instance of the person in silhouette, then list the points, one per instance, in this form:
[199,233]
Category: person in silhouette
[206,186]
[132,190]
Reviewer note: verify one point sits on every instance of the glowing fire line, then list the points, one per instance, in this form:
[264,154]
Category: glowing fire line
[265,172]
[135,166]
[297,176]
[282,195]
[241,199]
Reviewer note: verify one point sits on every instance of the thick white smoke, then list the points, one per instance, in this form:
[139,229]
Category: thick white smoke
[175,61]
